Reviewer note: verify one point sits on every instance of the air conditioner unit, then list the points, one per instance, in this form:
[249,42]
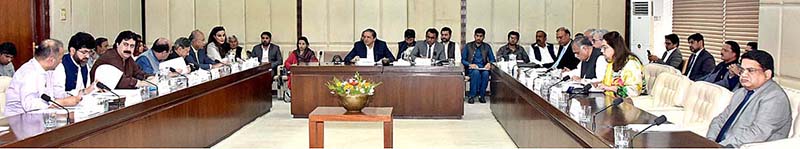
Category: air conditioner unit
[640,25]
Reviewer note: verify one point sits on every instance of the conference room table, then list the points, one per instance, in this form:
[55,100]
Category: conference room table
[195,116]
[533,122]
[413,91]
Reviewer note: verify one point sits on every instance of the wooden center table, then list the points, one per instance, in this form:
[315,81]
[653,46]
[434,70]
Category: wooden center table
[317,118]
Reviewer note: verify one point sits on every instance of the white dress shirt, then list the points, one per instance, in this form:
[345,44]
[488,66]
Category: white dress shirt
[370,53]
[599,70]
[545,53]
[25,90]
[265,53]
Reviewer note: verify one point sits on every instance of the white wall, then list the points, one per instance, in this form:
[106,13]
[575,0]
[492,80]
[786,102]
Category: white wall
[244,18]
[101,18]
[662,25]
[777,21]
[528,16]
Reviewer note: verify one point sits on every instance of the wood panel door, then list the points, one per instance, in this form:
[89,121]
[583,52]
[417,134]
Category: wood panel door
[24,23]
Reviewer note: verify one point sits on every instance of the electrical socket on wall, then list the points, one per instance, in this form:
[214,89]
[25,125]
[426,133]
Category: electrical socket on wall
[63,15]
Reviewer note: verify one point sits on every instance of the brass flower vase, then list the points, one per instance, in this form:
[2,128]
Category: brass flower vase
[354,103]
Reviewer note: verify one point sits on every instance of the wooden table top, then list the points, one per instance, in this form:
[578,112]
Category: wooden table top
[340,114]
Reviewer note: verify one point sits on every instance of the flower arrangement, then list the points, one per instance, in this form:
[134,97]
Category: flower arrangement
[352,86]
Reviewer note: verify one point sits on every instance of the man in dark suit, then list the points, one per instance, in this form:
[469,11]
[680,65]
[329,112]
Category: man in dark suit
[197,55]
[449,46]
[273,51]
[543,52]
[369,48]
[409,41]
[672,56]
[566,58]
[701,63]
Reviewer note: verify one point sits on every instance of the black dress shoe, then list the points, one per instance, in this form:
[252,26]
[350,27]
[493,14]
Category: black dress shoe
[482,99]
[471,100]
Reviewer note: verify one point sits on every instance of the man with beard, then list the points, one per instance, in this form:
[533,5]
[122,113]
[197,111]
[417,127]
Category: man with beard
[75,63]
[449,46]
[149,60]
[121,58]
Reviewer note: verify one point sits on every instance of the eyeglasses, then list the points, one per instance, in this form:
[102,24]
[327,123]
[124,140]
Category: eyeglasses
[748,70]
[84,52]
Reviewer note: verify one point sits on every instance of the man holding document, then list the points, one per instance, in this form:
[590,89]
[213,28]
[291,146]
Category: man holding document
[479,57]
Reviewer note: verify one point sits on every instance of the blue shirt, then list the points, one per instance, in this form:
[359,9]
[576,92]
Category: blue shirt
[478,57]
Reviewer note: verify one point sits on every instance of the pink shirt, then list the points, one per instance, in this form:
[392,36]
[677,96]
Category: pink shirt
[31,81]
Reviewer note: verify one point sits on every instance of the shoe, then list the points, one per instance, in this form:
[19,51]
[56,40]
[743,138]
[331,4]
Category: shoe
[482,99]
[471,100]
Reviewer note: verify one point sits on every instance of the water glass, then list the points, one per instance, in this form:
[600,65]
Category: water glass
[621,136]
[586,116]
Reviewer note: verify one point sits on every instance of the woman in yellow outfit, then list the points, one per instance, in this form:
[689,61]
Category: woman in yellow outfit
[623,76]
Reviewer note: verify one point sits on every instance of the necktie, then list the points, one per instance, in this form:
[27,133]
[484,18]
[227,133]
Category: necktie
[664,57]
[691,65]
[732,118]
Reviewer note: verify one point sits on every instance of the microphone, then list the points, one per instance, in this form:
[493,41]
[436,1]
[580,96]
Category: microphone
[551,86]
[615,103]
[176,71]
[658,121]
[48,99]
[103,86]
[148,82]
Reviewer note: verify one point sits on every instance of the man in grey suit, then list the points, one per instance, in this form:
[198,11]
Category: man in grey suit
[672,56]
[273,51]
[423,49]
[759,111]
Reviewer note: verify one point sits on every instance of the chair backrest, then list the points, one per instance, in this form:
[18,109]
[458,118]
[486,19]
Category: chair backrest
[704,101]
[328,55]
[794,100]
[669,88]
[4,82]
[651,72]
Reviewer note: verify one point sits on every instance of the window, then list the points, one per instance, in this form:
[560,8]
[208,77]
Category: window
[717,20]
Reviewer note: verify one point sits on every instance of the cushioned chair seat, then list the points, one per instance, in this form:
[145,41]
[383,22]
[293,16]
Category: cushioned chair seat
[666,88]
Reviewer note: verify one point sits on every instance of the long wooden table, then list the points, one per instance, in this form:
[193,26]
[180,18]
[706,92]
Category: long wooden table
[532,122]
[413,91]
[198,116]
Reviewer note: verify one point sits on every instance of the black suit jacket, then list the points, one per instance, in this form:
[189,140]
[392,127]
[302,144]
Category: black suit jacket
[360,50]
[568,60]
[702,66]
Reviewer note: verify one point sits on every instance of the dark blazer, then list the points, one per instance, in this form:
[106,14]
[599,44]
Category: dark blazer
[589,67]
[675,59]
[275,57]
[204,61]
[703,66]
[71,70]
[402,47]
[360,50]
[504,51]
[568,60]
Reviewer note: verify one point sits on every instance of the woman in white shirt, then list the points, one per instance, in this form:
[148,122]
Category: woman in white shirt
[215,40]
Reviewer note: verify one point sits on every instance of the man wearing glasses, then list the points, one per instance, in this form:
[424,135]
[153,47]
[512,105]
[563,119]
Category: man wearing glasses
[75,68]
[149,60]
[121,58]
[724,74]
[672,56]
[759,111]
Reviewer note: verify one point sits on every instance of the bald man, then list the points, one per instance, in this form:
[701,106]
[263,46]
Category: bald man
[149,60]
